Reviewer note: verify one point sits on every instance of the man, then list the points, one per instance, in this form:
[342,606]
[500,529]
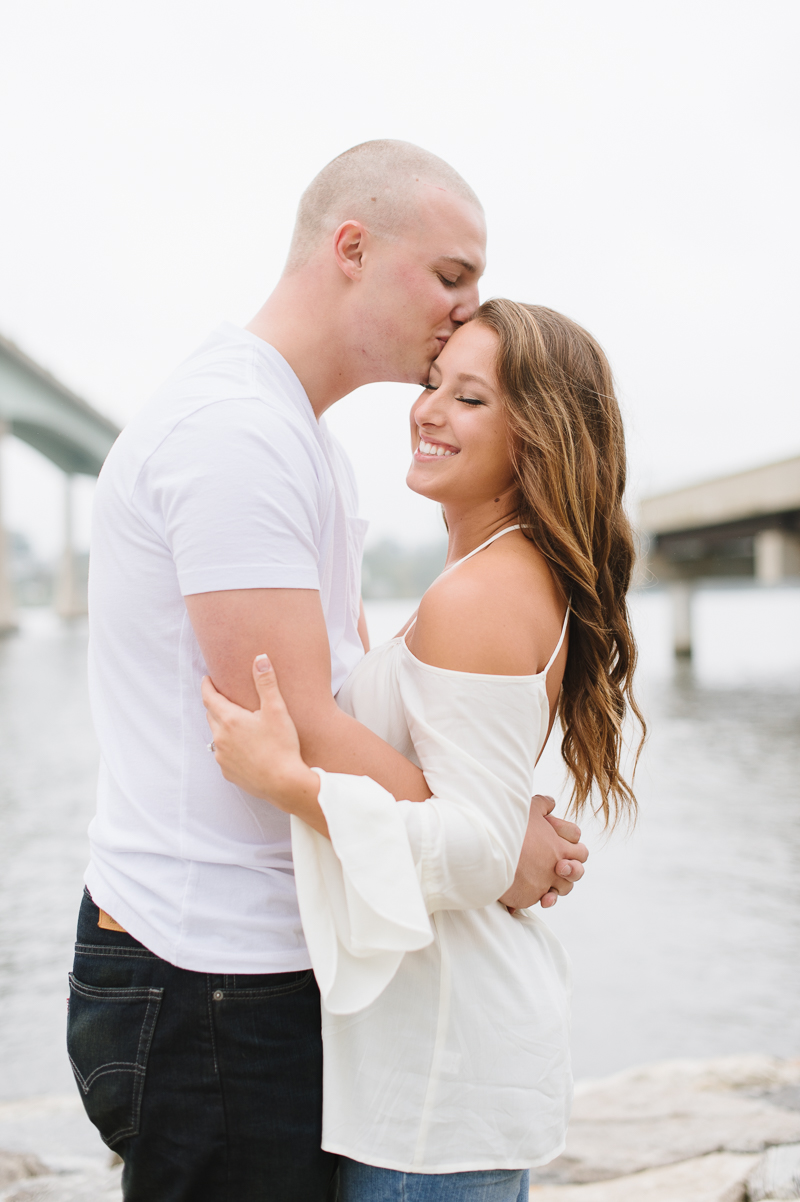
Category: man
[225,523]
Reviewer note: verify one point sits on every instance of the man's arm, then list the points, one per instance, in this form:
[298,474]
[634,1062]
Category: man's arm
[233,627]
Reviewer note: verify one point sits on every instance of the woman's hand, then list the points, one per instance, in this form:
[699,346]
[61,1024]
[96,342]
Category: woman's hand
[260,751]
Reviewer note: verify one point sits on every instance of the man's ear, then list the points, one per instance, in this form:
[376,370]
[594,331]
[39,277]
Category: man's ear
[349,244]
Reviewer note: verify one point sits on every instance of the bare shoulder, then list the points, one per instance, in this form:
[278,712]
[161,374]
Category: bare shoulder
[500,613]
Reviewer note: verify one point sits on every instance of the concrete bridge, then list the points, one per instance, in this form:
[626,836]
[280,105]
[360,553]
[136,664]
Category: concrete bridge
[743,526]
[39,410]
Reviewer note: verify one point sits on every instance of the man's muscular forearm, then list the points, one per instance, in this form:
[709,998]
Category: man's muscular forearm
[233,627]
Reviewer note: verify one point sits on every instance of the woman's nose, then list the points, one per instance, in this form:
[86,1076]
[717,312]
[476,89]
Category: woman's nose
[427,411]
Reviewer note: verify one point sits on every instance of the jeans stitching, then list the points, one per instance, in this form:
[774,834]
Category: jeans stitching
[211,1025]
[111,1066]
[266,991]
[142,1054]
[152,996]
[99,949]
[112,993]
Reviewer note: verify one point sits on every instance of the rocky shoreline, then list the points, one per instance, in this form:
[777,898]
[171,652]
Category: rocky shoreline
[722,1130]
[682,1131]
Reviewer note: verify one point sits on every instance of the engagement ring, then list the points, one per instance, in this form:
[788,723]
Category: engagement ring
[211,746]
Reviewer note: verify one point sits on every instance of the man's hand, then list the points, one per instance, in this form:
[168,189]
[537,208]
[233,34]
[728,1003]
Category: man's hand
[551,860]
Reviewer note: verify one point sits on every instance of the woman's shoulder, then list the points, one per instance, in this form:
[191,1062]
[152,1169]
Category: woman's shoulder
[500,613]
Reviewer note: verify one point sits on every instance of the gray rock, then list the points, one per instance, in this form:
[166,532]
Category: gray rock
[777,1175]
[719,1177]
[54,1128]
[788,1096]
[671,1111]
[15,1166]
[99,1185]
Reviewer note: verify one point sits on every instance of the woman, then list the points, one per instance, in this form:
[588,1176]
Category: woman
[445,1018]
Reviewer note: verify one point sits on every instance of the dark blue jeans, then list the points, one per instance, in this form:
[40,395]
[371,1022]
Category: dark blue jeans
[208,1086]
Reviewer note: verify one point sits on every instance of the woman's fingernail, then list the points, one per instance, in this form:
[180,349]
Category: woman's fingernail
[262,663]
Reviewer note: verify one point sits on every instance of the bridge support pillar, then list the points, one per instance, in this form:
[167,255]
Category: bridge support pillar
[777,555]
[69,602]
[7,623]
[682,593]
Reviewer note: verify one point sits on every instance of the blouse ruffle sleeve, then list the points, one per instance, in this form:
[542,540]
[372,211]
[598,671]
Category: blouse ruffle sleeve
[365,894]
[359,894]
[476,738]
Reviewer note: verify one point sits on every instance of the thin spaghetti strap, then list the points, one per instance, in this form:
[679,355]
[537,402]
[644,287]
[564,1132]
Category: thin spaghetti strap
[463,559]
[488,542]
[560,642]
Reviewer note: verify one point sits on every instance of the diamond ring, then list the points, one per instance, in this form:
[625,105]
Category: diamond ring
[211,746]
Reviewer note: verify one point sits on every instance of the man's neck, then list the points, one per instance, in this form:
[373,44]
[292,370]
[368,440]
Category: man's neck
[304,329]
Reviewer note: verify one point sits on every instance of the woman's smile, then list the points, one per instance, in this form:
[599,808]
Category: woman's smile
[428,449]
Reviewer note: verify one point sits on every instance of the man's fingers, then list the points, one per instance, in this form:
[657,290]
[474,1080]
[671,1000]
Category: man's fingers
[550,898]
[570,870]
[565,830]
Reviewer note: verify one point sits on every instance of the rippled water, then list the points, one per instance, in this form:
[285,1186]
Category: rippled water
[685,936]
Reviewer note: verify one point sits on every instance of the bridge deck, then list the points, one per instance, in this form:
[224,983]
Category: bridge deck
[746,525]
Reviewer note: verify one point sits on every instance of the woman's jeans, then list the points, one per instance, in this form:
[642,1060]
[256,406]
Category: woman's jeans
[365,1183]
[208,1086]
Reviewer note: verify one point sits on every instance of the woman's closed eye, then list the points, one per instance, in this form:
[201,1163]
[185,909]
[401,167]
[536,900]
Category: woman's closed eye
[466,400]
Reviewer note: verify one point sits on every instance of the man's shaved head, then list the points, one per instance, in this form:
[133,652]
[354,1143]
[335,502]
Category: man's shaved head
[380,184]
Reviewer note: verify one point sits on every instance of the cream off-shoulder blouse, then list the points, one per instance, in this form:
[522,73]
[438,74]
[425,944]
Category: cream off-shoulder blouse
[445,1018]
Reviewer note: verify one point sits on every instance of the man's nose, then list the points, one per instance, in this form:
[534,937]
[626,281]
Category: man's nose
[467,303]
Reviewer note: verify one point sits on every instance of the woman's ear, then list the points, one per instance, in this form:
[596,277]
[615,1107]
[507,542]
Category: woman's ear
[349,244]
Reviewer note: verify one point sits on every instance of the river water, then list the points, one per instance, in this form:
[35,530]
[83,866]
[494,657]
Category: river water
[685,935]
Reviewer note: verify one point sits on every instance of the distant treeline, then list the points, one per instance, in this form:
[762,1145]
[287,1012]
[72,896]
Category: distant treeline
[392,570]
[33,579]
[389,570]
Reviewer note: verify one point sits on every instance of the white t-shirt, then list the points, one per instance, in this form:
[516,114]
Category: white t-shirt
[225,480]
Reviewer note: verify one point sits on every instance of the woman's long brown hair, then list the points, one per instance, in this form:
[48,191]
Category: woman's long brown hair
[568,450]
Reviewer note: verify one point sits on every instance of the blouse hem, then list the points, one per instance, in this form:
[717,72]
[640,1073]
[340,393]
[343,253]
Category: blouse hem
[472,1166]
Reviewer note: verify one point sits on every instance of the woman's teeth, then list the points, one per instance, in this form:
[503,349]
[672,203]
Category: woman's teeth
[429,448]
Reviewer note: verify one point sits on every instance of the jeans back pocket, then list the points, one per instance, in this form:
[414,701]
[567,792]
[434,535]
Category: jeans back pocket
[109,1032]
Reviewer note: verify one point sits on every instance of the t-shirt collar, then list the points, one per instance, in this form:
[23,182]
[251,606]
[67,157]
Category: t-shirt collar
[268,354]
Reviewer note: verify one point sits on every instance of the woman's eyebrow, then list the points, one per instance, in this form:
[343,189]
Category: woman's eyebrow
[465,376]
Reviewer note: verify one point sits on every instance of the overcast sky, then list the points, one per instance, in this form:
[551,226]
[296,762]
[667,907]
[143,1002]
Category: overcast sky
[637,162]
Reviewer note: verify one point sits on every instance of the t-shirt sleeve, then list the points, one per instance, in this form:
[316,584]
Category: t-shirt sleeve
[236,492]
